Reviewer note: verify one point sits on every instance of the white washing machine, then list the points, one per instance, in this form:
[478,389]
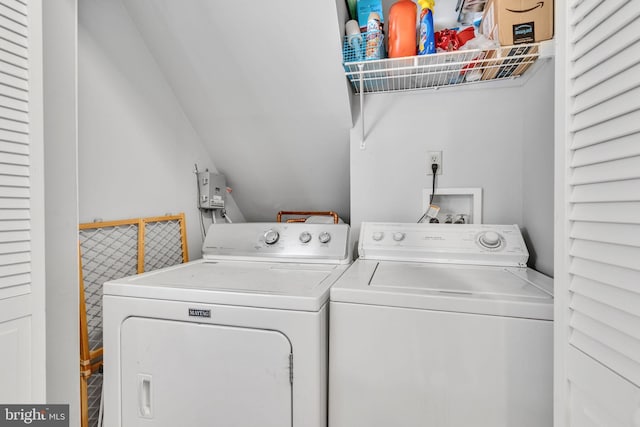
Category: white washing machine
[441,325]
[239,338]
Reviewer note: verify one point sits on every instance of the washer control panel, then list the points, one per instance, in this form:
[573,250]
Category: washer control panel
[284,242]
[444,243]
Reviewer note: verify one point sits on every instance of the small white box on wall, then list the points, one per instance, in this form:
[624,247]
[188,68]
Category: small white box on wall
[456,201]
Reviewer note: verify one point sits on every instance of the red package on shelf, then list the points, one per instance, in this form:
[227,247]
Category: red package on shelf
[450,40]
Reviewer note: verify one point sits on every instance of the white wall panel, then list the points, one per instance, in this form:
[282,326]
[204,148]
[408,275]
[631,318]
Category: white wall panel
[137,147]
[502,149]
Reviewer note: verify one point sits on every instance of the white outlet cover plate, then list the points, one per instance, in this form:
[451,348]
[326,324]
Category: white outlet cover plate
[430,155]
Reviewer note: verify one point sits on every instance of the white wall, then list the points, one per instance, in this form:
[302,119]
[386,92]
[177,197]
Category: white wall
[265,89]
[481,132]
[538,171]
[61,204]
[137,148]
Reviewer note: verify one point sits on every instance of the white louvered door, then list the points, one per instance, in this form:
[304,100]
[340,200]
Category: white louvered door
[22,335]
[598,214]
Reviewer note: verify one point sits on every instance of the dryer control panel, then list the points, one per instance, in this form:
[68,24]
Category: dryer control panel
[477,244]
[282,242]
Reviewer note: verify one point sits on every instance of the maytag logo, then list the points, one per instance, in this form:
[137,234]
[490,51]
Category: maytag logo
[198,312]
[37,415]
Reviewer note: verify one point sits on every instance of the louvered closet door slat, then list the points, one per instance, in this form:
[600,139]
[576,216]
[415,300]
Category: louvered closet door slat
[17,137]
[583,8]
[601,352]
[602,87]
[618,255]
[14,203]
[616,128]
[19,29]
[13,71]
[617,191]
[15,104]
[14,225]
[11,114]
[14,14]
[15,258]
[623,303]
[625,103]
[623,212]
[13,92]
[621,234]
[619,19]
[14,214]
[13,268]
[13,48]
[14,126]
[16,280]
[604,331]
[14,236]
[13,81]
[13,192]
[16,181]
[17,6]
[620,277]
[12,37]
[595,60]
[617,45]
[616,170]
[591,21]
[618,148]
[14,247]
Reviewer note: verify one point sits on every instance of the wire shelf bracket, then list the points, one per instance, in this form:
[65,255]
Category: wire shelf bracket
[448,69]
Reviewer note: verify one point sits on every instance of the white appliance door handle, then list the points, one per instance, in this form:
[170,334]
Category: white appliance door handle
[144,396]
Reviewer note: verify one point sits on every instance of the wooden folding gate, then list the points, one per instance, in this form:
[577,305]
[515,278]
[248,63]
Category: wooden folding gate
[112,250]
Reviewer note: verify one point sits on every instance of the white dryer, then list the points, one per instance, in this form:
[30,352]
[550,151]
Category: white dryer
[441,325]
[238,338]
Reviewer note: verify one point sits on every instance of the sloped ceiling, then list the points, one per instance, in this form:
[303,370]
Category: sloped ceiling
[262,84]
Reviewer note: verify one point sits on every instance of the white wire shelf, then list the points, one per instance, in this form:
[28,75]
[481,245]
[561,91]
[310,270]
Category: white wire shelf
[438,70]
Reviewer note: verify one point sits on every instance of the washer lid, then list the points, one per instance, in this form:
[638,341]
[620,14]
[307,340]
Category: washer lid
[499,291]
[256,284]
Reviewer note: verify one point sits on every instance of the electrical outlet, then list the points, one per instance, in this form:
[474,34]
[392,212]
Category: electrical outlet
[434,157]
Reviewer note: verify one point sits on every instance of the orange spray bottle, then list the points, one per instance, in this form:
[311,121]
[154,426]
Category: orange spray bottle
[402,29]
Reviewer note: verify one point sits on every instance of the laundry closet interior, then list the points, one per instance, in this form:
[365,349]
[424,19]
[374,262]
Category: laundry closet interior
[152,103]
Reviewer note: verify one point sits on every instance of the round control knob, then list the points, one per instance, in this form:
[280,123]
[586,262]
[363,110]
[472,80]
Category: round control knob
[490,239]
[305,237]
[398,236]
[271,236]
[377,236]
[324,237]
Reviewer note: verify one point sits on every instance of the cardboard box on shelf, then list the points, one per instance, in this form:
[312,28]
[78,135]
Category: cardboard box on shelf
[507,62]
[518,21]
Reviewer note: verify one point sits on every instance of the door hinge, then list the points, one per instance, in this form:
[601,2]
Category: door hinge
[291,368]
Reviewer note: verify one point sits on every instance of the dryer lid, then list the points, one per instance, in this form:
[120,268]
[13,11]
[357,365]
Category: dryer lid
[256,284]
